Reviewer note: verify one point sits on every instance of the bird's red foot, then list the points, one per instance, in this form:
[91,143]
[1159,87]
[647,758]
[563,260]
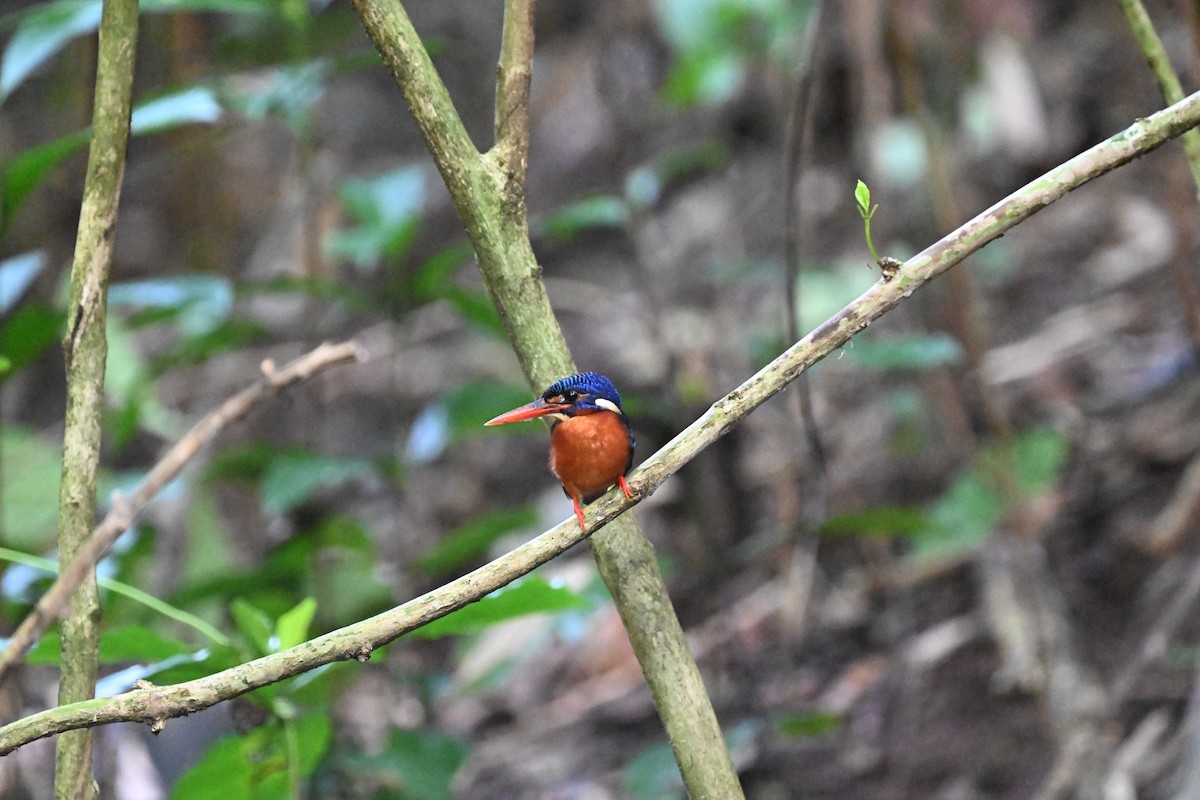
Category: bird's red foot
[579,513]
[625,487]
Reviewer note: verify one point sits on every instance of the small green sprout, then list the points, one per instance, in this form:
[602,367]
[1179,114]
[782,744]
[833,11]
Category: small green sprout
[863,195]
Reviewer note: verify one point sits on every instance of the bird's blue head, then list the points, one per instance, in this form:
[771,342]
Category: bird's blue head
[582,393]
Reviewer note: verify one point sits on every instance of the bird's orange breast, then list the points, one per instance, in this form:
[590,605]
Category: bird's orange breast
[589,452]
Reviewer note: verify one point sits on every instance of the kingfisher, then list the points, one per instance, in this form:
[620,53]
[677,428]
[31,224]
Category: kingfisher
[591,442]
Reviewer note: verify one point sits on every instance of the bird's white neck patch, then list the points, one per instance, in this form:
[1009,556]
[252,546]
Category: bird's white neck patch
[608,405]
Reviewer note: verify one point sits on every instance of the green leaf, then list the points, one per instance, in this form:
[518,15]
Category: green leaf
[208,661]
[22,173]
[825,291]
[959,520]
[245,464]
[196,105]
[314,733]
[654,775]
[1039,456]
[470,541]
[119,644]
[476,308]
[906,352]
[814,723]
[29,513]
[203,302]
[877,521]
[436,275]
[28,332]
[124,369]
[704,78]
[208,553]
[601,211]
[16,273]
[288,92]
[971,508]
[474,403]
[393,198]
[223,773]
[530,595]
[19,175]
[292,478]
[42,32]
[695,159]
[138,643]
[254,766]
[129,387]
[388,210]
[292,626]
[863,195]
[689,24]
[350,587]
[254,625]
[249,7]
[423,763]
[344,532]
[715,41]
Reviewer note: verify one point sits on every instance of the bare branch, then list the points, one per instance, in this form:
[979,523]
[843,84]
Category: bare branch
[512,93]
[85,348]
[125,509]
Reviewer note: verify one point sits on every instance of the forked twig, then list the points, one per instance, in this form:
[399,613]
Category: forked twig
[126,509]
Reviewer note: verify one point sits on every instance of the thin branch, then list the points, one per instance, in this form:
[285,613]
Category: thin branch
[1152,48]
[126,509]
[797,144]
[85,348]
[512,92]
[360,639]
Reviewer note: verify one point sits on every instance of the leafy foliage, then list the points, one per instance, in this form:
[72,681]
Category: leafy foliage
[717,41]
[975,502]
[30,493]
[262,764]
[472,539]
[415,765]
[528,595]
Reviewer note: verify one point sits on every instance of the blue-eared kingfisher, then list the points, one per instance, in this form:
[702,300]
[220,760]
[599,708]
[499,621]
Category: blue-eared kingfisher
[591,442]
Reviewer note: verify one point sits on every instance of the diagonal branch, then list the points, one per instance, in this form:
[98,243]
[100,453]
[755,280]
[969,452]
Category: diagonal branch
[125,509]
[512,91]
[357,641]
[1152,48]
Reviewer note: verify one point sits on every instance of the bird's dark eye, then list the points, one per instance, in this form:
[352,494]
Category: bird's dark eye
[570,396]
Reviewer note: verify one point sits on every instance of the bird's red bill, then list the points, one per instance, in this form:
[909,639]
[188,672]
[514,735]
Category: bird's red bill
[538,408]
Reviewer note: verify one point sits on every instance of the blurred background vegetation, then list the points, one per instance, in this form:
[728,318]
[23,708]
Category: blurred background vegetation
[849,626]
